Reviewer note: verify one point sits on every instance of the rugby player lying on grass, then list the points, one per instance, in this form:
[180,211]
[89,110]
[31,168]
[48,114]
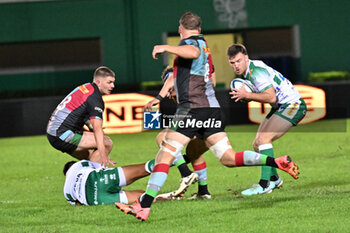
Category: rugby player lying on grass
[90,183]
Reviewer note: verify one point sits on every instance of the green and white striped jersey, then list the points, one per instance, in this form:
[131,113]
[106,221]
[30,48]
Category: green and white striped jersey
[264,77]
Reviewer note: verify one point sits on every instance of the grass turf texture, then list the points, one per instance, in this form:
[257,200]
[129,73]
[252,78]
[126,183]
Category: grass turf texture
[31,196]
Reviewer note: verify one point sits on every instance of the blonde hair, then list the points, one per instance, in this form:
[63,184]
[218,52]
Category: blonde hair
[103,71]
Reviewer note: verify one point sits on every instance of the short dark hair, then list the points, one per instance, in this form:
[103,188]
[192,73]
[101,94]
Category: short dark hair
[234,49]
[166,72]
[67,166]
[103,71]
[190,21]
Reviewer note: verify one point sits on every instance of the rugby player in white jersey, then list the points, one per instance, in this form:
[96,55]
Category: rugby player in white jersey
[90,183]
[288,108]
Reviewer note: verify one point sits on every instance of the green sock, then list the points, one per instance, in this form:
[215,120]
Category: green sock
[266,171]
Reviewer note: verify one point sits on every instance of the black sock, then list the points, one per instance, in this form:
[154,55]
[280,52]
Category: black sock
[274,178]
[147,201]
[184,170]
[270,161]
[203,189]
[264,183]
[187,160]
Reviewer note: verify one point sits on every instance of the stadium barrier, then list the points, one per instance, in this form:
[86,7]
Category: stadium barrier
[29,116]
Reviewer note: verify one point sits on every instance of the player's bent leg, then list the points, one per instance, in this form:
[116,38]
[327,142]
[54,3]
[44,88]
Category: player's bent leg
[220,146]
[196,148]
[265,185]
[86,148]
[83,154]
[132,196]
[200,168]
[274,128]
[108,144]
[179,161]
[161,136]
[87,141]
[270,130]
[134,172]
[194,151]
[172,144]
[255,142]
[181,165]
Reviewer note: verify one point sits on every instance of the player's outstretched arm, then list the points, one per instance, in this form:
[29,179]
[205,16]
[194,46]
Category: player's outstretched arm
[99,137]
[164,92]
[185,51]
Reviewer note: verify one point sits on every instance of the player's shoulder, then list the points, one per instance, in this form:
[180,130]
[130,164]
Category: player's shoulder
[192,40]
[87,88]
[258,69]
[94,94]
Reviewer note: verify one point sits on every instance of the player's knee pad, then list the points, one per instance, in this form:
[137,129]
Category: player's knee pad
[175,147]
[220,147]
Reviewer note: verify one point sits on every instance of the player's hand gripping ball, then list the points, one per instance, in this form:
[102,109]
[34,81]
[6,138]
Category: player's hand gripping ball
[238,84]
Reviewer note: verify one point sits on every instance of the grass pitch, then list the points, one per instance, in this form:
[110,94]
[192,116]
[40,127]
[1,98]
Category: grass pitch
[31,184]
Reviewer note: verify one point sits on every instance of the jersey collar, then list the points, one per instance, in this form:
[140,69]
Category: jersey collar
[248,71]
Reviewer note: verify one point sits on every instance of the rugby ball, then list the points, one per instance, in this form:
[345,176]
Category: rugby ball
[237,83]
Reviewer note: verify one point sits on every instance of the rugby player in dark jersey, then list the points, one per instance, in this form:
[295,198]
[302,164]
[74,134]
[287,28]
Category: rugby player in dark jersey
[83,106]
[194,150]
[198,114]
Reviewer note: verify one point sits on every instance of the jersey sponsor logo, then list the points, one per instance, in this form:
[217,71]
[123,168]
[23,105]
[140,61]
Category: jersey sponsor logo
[290,111]
[98,109]
[206,49]
[124,112]
[83,89]
[315,100]
[95,193]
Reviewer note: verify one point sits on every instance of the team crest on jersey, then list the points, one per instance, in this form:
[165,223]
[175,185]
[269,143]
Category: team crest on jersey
[206,50]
